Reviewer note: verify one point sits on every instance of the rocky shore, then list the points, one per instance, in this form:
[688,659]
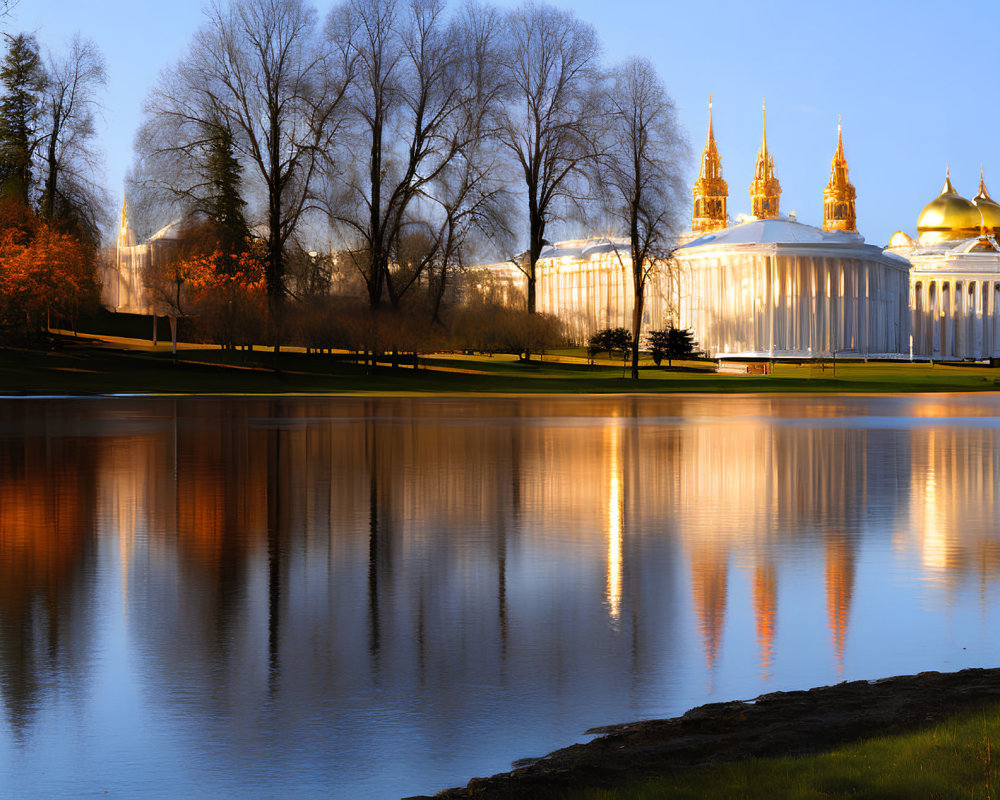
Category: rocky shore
[776,724]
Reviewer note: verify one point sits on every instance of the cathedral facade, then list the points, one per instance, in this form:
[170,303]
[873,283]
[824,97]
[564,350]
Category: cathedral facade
[955,276]
[771,287]
[765,287]
[124,279]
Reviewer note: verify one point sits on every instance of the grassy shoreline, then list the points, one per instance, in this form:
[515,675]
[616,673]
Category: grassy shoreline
[924,735]
[89,366]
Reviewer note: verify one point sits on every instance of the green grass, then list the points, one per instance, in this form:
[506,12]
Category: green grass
[79,366]
[955,758]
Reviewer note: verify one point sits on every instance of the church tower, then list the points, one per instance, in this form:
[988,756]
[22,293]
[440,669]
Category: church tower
[765,189]
[126,237]
[710,190]
[839,194]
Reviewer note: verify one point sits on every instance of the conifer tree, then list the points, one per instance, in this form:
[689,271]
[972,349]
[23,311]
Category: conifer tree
[21,81]
[224,204]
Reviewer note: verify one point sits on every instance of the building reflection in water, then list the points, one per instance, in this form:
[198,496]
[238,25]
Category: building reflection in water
[615,521]
[954,532]
[321,559]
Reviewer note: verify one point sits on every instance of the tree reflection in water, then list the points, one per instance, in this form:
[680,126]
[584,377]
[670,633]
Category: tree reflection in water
[445,585]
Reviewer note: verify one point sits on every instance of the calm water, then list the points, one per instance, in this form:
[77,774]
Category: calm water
[356,598]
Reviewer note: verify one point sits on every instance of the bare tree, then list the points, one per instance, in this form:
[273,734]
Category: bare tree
[472,193]
[414,109]
[69,103]
[256,70]
[551,71]
[639,173]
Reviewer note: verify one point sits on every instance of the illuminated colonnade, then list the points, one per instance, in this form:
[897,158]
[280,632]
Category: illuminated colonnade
[955,316]
[779,288]
[955,297]
[955,276]
[588,285]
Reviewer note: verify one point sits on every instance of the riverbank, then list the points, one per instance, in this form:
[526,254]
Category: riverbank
[78,365]
[934,728]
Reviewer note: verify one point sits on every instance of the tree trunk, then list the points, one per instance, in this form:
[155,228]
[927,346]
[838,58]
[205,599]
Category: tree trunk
[636,328]
[638,286]
[173,334]
[536,241]
[154,329]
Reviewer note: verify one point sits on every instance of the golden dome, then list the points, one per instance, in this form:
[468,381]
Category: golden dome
[900,239]
[949,216]
[988,207]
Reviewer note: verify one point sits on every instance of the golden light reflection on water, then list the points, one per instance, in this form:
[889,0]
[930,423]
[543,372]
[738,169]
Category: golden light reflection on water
[765,607]
[934,542]
[615,523]
[954,519]
[839,592]
[321,549]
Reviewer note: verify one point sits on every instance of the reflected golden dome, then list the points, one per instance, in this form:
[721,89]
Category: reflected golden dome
[949,216]
[988,207]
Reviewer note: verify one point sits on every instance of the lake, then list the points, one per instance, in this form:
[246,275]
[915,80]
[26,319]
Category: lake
[373,598]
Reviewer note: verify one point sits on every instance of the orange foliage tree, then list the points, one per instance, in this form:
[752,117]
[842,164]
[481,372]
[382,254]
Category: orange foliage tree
[229,294]
[43,271]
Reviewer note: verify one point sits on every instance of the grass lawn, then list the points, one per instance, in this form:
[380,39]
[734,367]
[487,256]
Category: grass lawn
[92,366]
[951,759]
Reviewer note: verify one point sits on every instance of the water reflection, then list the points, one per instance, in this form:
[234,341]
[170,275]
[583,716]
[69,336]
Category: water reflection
[47,549]
[445,585]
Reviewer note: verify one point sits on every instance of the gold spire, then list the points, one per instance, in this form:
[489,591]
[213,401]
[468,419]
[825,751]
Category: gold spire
[126,237]
[765,189]
[988,208]
[947,188]
[838,196]
[983,194]
[710,191]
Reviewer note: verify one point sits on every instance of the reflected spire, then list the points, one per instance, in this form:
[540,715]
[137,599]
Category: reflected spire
[839,592]
[765,605]
[709,585]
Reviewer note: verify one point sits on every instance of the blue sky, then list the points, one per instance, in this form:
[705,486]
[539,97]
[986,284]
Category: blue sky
[912,80]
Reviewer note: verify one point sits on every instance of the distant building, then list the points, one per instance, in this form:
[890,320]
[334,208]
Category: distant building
[766,287]
[587,283]
[955,275]
[776,288]
[124,278]
[771,287]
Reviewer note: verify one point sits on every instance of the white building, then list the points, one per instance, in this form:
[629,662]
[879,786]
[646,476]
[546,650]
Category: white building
[587,283]
[776,288]
[768,287]
[955,276]
[124,283]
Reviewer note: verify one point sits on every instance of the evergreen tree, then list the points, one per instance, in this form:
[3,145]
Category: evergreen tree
[671,343]
[21,81]
[224,204]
